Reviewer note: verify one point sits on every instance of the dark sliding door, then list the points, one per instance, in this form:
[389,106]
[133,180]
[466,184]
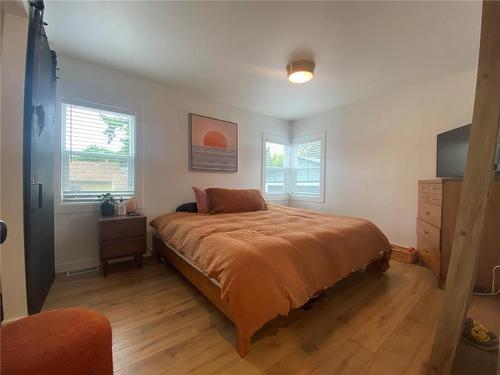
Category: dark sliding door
[39,116]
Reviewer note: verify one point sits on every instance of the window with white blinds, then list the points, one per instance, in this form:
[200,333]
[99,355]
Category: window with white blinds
[98,149]
[306,166]
[295,170]
[275,167]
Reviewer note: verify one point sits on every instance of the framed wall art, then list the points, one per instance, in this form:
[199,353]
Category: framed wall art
[213,144]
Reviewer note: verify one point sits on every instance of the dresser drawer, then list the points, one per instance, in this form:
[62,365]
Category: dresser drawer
[123,248]
[430,193]
[431,197]
[428,237]
[430,187]
[430,213]
[123,229]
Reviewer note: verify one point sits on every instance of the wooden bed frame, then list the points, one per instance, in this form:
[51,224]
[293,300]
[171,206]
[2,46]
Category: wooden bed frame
[211,289]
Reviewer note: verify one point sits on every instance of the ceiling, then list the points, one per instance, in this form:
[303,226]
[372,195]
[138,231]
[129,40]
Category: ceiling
[237,52]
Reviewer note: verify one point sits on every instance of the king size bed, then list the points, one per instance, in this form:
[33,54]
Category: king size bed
[257,265]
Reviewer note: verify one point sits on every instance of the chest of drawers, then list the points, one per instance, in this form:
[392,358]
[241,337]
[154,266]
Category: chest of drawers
[438,202]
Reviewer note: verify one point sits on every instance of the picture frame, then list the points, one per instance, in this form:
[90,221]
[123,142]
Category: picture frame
[213,144]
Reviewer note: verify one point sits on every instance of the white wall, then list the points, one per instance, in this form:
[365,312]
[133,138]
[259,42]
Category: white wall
[377,149]
[163,177]
[13,58]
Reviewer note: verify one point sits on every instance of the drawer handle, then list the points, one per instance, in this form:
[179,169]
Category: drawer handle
[425,232]
[427,213]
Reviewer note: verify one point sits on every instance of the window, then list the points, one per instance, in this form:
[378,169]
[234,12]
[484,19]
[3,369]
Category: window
[98,151]
[296,171]
[307,168]
[275,171]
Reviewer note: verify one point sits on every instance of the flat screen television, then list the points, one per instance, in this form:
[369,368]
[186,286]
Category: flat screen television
[452,148]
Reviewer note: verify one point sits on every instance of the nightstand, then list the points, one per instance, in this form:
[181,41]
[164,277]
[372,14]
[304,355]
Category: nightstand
[122,236]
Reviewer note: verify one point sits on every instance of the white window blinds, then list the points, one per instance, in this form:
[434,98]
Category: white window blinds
[295,171]
[97,154]
[275,171]
[306,166]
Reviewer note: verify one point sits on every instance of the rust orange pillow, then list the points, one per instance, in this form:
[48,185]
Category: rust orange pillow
[201,199]
[234,200]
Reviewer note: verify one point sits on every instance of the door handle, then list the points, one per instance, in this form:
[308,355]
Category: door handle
[3,232]
[40,193]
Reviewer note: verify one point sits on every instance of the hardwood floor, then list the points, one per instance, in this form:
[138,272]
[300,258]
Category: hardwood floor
[367,324]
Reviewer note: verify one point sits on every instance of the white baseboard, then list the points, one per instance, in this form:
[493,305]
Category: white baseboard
[77,265]
[91,263]
[10,320]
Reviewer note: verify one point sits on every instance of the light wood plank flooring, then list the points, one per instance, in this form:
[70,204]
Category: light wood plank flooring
[367,324]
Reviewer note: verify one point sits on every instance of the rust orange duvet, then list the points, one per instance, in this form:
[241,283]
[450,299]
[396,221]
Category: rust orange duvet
[268,262]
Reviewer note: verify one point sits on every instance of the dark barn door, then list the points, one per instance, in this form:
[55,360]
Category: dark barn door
[39,116]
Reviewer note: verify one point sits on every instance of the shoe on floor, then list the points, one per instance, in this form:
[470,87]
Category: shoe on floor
[476,334]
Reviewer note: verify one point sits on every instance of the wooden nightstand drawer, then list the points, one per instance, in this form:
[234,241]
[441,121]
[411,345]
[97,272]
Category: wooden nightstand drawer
[122,236]
[123,229]
[123,248]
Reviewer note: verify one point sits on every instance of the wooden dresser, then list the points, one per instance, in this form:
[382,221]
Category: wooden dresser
[122,236]
[437,214]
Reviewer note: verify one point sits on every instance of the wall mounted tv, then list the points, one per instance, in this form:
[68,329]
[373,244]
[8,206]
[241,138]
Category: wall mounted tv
[452,148]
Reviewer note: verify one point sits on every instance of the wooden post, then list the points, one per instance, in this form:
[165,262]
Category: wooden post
[473,200]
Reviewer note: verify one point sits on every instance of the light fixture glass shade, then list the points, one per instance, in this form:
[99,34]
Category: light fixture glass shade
[300,71]
[300,77]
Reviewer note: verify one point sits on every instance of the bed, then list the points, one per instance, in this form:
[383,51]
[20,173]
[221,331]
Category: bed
[254,266]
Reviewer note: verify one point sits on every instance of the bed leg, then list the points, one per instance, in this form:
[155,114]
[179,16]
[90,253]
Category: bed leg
[381,264]
[378,266]
[243,345]
[156,248]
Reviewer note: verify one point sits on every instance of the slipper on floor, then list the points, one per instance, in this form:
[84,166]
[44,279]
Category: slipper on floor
[477,335]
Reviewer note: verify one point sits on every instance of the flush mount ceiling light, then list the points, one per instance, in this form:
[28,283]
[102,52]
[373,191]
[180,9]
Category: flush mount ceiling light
[300,71]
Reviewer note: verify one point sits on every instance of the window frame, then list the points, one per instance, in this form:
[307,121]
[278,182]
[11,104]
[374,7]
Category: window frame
[62,159]
[317,136]
[272,138]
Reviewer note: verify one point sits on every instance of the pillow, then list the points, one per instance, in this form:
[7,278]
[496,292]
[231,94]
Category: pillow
[188,207]
[234,200]
[201,199]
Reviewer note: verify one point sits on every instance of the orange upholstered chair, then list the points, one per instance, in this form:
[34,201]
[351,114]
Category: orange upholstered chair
[66,341]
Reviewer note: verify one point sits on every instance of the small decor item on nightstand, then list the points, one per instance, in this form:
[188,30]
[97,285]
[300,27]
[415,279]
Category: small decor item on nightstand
[121,208]
[131,205]
[107,204]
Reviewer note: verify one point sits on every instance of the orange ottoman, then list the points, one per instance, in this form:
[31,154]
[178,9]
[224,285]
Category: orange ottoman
[65,341]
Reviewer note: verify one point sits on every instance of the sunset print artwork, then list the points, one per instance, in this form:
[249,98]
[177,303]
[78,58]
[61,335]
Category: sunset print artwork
[214,144]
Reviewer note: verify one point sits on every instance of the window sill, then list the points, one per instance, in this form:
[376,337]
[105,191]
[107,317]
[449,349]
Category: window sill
[61,208]
[277,198]
[307,198]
